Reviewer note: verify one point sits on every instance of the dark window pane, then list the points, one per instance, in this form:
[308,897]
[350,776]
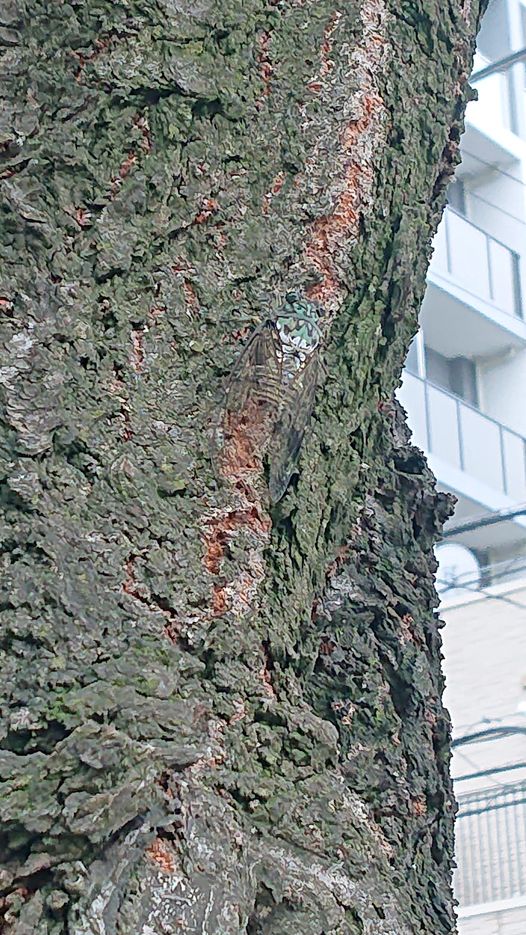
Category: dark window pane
[411,361]
[456,196]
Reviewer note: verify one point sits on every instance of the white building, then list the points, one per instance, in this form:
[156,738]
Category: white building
[465,392]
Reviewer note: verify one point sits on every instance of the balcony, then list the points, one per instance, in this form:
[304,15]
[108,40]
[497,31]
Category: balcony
[477,263]
[465,438]
[475,457]
[473,303]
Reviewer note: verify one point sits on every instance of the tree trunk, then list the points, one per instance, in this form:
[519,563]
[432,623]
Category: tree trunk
[221,714]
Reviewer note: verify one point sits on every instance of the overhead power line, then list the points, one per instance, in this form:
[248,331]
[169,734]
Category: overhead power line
[500,517]
[497,571]
[489,733]
[489,772]
[483,592]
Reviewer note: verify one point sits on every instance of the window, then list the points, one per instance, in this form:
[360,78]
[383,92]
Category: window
[411,361]
[456,196]
[456,374]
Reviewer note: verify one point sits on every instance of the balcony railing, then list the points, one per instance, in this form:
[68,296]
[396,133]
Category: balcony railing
[493,105]
[500,88]
[465,438]
[479,264]
[490,845]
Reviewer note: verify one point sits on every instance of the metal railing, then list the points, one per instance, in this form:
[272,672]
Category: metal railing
[501,65]
[478,263]
[490,845]
[499,94]
[464,437]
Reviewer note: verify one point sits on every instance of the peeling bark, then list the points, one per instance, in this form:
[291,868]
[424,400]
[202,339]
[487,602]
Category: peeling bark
[219,716]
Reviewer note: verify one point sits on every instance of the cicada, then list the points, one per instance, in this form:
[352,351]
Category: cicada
[270,395]
[289,428]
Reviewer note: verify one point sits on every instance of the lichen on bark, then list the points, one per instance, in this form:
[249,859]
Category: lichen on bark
[218,716]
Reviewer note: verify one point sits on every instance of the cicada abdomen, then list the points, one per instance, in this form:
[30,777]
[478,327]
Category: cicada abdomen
[252,402]
[289,429]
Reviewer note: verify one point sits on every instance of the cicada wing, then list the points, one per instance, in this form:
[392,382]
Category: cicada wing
[295,412]
[257,372]
[251,393]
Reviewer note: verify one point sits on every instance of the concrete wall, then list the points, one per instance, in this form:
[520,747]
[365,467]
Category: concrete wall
[485,655]
[510,921]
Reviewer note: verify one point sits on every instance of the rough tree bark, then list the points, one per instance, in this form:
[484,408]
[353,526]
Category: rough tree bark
[219,715]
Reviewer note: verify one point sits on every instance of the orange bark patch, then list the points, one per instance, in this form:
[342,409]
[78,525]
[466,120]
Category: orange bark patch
[219,601]
[162,854]
[82,217]
[245,435]
[146,142]
[137,356]
[265,68]
[331,232]
[240,713]
[126,164]
[241,451]
[326,64]
[408,632]
[221,530]
[190,295]
[275,188]
[235,595]
[139,592]
[350,185]
[419,806]
[130,585]
[209,207]
[181,270]
[327,646]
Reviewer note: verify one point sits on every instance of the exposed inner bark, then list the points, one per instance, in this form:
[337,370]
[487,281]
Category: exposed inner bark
[219,716]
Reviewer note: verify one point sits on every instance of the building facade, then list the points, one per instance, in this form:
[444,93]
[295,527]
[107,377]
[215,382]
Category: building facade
[464,389]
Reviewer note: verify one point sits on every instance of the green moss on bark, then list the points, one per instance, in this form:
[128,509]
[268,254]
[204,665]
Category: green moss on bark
[194,726]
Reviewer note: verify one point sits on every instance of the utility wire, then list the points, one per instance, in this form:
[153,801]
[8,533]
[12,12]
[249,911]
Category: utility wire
[483,521]
[489,569]
[489,733]
[479,771]
[469,728]
[486,594]
[501,569]
[508,767]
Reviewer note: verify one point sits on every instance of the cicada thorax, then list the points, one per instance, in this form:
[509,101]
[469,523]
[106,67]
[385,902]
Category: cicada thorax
[300,333]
